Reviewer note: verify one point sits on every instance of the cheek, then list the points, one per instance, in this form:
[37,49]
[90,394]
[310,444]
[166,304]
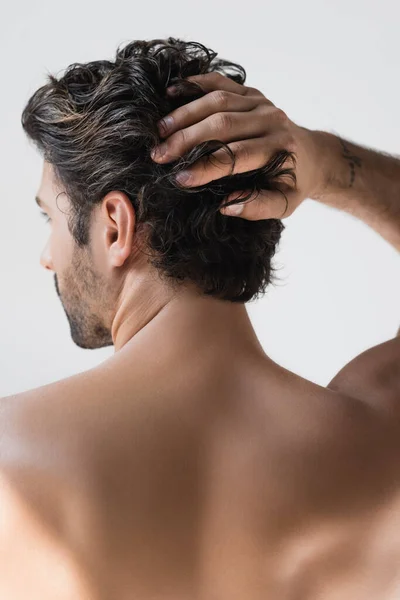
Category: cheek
[60,249]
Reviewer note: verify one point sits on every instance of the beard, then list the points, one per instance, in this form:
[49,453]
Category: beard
[83,295]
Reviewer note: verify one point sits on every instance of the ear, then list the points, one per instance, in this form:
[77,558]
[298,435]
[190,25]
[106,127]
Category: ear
[119,221]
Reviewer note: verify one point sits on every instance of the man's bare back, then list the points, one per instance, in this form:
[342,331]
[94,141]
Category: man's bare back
[185,477]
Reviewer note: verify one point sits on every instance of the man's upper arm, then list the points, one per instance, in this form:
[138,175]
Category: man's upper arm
[373,376]
[33,564]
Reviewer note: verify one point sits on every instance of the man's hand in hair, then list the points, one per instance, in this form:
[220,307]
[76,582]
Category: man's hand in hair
[255,130]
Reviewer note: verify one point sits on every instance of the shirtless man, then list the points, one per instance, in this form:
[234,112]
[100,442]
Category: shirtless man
[190,465]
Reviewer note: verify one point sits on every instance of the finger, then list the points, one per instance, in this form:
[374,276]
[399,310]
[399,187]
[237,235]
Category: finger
[216,81]
[262,205]
[197,110]
[255,92]
[224,126]
[210,82]
[249,154]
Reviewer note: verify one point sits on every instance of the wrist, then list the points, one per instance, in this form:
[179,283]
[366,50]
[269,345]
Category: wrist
[325,152]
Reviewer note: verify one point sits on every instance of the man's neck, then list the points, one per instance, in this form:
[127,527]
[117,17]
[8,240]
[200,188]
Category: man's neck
[188,316]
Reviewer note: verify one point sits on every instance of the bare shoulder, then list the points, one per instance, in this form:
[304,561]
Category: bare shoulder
[38,423]
[33,557]
[47,440]
[42,495]
[374,377]
[338,456]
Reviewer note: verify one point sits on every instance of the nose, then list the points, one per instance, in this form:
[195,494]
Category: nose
[45,258]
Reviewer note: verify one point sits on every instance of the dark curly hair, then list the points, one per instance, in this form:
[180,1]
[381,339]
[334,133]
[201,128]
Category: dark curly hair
[97,124]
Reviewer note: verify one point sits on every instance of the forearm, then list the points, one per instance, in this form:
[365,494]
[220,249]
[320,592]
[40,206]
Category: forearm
[362,182]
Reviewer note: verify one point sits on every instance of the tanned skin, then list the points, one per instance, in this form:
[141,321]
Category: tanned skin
[190,464]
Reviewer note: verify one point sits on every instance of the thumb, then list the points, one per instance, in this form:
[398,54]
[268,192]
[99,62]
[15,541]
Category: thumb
[261,205]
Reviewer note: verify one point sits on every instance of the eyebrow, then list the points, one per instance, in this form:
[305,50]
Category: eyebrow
[40,202]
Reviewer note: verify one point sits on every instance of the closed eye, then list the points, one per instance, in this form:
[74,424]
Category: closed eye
[43,214]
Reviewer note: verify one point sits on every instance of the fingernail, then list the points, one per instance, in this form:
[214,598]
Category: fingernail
[171,90]
[183,177]
[234,209]
[165,124]
[159,151]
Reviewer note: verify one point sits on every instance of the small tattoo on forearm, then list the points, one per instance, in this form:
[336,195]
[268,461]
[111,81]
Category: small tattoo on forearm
[352,159]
